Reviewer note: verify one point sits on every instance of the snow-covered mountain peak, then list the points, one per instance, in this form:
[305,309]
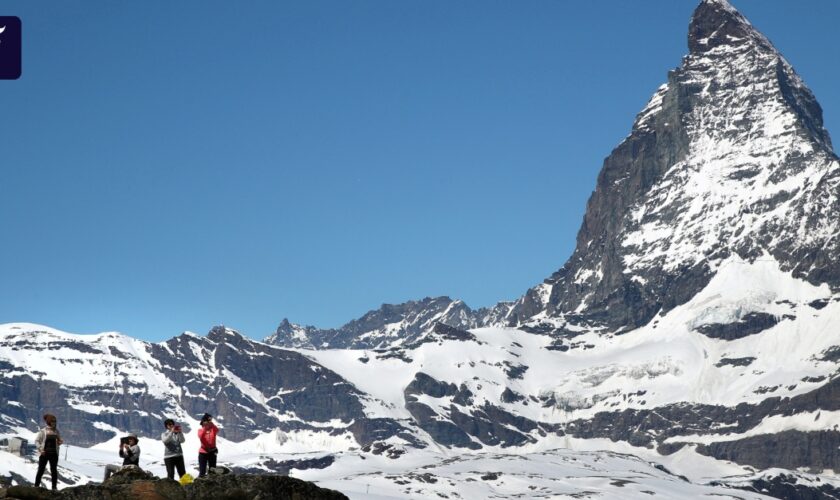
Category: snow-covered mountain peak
[729,157]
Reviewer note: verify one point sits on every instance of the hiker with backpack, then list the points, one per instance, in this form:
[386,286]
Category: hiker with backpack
[207,432]
[129,451]
[173,455]
[48,441]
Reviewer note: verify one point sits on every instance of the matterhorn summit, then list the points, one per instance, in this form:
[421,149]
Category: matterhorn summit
[729,159]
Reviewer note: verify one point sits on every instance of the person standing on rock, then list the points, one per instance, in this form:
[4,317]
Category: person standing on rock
[48,440]
[173,455]
[207,432]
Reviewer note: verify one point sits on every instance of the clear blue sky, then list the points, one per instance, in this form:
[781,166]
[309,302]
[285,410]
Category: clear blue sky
[168,166]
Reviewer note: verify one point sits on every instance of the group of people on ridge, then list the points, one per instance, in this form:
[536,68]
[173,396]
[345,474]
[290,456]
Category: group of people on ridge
[49,439]
[173,456]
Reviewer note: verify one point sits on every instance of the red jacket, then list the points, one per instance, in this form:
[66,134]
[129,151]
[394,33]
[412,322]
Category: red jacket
[207,437]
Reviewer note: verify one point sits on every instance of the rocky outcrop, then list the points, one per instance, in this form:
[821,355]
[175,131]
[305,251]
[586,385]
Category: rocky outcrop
[458,422]
[788,450]
[737,115]
[134,485]
[257,487]
[750,324]
[791,487]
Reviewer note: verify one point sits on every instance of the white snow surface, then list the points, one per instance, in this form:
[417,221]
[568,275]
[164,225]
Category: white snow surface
[668,359]
[555,473]
[750,170]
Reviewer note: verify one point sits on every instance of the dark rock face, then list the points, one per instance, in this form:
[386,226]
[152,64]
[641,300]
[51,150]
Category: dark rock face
[442,431]
[35,394]
[788,450]
[750,324]
[612,267]
[441,332]
[793,449]
[792,487]
[254,487]
[509,396]
[464,425]
[716,24]
[625,276]
[735,362]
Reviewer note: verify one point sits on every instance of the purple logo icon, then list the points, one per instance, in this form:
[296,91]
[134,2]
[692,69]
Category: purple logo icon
[10,53]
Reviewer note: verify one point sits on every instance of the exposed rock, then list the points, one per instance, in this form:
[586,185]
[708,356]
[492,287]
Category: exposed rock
[790,487]
[750,324]
[510,396]
[832,354]
[515,371]
[130,485]
[257,487]
[284,467]
[652,427]
[746,361]
[819,304]
[788,450]
[424,384]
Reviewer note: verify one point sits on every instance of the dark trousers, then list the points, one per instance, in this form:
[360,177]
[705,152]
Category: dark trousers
[204,460]
[173,463]
[52,458]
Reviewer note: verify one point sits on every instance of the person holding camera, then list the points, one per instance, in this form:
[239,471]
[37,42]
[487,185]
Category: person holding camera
[173,455]
[129,451]
[48,441]
[207,432]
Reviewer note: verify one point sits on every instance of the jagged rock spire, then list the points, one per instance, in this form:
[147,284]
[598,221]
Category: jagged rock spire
[716,23]
[729,157]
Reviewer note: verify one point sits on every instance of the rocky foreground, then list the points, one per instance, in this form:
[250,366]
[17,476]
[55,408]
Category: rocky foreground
[134,484]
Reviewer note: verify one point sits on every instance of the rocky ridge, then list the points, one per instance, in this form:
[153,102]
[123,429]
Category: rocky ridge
[132,484]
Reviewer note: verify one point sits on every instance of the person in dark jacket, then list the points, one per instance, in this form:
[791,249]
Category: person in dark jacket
[173,455]
[48,441]
[129,451]
[207,436]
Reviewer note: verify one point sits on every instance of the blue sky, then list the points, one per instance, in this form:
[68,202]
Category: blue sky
[168,166]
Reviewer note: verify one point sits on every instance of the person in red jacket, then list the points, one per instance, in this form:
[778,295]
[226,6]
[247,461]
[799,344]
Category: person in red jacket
[207,431]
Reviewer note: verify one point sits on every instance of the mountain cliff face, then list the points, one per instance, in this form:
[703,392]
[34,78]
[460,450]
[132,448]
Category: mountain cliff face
[729,157]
